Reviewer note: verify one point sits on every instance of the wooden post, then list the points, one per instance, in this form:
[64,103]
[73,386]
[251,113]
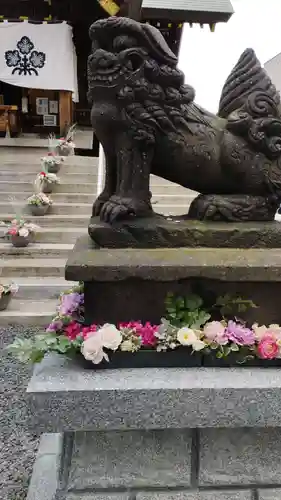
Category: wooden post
[65,111]
[134,9]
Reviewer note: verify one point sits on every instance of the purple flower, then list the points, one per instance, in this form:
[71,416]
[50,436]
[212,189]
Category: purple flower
[55,326]
[239,334]
[69,303]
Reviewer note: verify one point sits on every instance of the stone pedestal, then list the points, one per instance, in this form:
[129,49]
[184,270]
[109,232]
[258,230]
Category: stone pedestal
[131,284]
[158,434]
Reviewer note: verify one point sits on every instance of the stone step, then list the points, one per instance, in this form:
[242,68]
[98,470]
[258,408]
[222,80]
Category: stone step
[28,312]
[65,187]
[53,220]
[34,159]
[35,250]
[35,167]
[84,188]
[179,207]
[171,198]
[60,234]
[63,175]
[31,268]
[45,288]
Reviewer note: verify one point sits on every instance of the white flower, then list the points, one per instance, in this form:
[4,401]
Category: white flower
[198,345]
[92,349]
[127,346]
[186,336]
[111,338]
[23,231]
[14,288]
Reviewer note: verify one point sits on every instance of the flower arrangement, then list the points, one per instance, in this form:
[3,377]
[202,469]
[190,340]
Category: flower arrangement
[39,203]
[45,180]
[64,146]
[7,291]
[19,227]
[52,162]
[188,326]
[39,199]
[21,232]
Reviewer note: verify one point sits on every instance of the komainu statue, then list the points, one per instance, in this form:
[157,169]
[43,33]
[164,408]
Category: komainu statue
[148,123]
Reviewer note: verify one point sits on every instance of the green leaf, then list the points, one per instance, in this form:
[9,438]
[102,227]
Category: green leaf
[63,345]
[227,351]
[234,347]
[193,302]
[219,355]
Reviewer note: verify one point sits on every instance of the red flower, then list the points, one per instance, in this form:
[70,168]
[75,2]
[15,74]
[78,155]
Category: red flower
[72,330]
[43,174]
[13,231]
[50,154]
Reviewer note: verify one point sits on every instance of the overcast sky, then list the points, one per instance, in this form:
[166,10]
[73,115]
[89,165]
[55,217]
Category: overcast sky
[207,58]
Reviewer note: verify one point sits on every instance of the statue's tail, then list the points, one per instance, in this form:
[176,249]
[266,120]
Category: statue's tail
[246,78]
[250,103]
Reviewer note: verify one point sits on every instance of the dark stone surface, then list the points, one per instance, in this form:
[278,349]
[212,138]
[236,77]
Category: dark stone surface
[126,284]
[176,232]
[145,117]
[172,264]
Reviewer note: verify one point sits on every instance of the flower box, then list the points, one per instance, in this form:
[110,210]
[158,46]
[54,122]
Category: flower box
[145,358]
[233,360]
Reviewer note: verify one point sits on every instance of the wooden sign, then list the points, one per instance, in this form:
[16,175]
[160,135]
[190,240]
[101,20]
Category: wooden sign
[109,6]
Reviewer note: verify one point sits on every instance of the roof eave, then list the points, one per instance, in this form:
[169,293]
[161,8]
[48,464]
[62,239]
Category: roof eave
[187,16]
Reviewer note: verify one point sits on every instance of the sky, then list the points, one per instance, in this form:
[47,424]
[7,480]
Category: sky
[208,58]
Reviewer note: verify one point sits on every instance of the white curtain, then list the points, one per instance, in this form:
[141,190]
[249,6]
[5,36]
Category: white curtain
[38,56]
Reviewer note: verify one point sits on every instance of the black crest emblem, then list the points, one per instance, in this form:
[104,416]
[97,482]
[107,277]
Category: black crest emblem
[25,60]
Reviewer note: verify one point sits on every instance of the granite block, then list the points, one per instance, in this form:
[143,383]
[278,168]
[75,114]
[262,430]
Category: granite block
[132,459]
[269,494]
[240,456]
[45,476]
[197,495]
[65,397]
[101,496]
[172,264]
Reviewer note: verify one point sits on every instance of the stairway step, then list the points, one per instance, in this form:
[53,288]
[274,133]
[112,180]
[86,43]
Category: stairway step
[53,220]
[86,209]
[60,234]
[43,288]
[68,187]
[36,250]
[63,175]
[25,268]
[33,168]
[28,312]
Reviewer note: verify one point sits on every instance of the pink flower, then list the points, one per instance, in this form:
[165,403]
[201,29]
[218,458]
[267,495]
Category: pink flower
[87,331]
[72,330]
[239,334]
[147,333]
[215,332]
[13,231]
[268,347]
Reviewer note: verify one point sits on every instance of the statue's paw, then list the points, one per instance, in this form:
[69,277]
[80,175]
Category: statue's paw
[99,203]
[118,208]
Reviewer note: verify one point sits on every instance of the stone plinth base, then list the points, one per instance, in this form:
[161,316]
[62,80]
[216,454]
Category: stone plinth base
[129,284]
[177,231]
[158,434]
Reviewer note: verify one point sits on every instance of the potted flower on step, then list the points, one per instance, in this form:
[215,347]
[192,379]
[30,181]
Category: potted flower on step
[6,294]
[52,163]
[65,145]
[21,233]
[45,181]
[39,204]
